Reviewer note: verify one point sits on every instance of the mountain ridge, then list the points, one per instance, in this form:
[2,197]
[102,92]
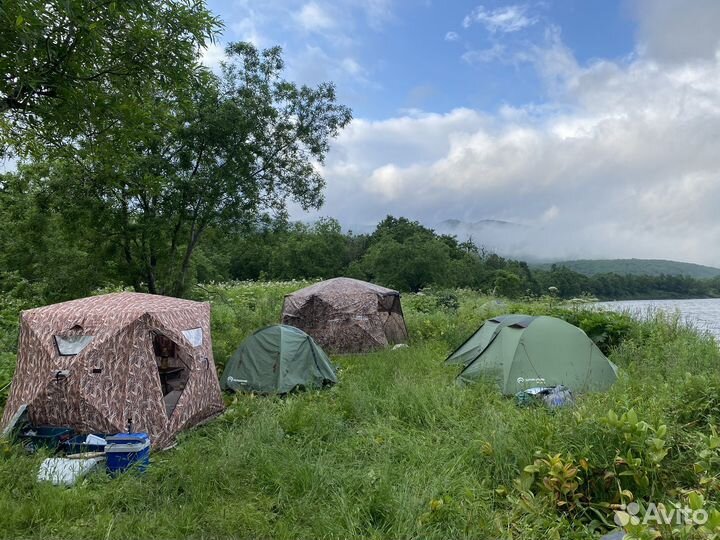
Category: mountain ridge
[647,267]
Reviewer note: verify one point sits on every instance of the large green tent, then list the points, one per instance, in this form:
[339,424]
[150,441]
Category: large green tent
[521,351]
[276,360]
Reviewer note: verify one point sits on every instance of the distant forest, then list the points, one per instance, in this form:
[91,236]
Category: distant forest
[49,262]
[637,267]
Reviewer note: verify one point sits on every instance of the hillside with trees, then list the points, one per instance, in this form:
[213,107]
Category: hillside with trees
[40,252]
[636,267]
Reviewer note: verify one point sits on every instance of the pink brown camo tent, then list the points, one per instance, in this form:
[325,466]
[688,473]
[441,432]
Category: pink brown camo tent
[347,315]
[94,364]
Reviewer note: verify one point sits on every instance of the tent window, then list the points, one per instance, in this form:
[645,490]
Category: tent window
[71,345]
[194,336]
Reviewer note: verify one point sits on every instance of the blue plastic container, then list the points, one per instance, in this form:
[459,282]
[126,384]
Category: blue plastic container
[127,450]
[77,445]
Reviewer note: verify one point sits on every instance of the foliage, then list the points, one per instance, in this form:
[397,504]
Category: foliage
[21,295]
[72,68]
[239,147]
[396,449]
[292,251]
[404,255]
[51,261]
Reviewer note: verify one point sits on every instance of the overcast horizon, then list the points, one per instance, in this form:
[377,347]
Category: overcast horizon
[592,123]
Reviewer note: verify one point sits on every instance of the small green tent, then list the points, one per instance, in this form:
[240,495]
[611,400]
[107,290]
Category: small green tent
[521,351]
[277,360]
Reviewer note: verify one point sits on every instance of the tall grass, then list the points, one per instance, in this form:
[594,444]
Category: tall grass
[395,450]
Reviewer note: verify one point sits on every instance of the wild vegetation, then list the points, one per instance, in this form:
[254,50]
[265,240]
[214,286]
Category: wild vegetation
[397,450]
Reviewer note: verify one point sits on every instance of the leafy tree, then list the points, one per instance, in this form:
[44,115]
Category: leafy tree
[243,145]
[507,284]
[569,283]
[405,255]
[37,250]
[317,251]
[71,68]
[408,266]
[400,229]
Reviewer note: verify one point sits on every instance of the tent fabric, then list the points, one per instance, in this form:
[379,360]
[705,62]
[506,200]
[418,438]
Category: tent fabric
[115,377]
[477,342]
[345,315]
[278,359]
[519,352]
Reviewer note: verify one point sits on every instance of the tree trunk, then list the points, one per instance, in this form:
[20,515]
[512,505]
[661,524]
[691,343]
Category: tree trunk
[181,283]
[152,285]
[152,267]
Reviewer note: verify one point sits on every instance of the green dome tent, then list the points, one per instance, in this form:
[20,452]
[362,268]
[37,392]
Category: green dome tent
[521,351]
[276,360]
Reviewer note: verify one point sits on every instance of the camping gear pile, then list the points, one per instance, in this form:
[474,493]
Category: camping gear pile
[83,454]
[552,397]
[80,453]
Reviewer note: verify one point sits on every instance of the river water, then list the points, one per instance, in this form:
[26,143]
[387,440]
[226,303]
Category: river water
[702,314]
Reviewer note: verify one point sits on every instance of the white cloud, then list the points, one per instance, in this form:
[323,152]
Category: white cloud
[503,19]
[452,36]
[352,67]
[550,214]
[678,30]
[247,21]
[321,39]
[212,55]
[623,163]
[377,12]
[246,29]
[484,55]
[313,65]
[554,62]
[314,18]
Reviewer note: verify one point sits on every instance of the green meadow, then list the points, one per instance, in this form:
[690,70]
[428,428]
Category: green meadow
[397,450]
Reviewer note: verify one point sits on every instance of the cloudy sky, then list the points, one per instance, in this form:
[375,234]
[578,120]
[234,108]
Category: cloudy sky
[593,124]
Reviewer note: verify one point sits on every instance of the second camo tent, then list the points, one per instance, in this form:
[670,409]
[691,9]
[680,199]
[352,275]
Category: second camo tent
[347,315]
[276,360]
[521,351]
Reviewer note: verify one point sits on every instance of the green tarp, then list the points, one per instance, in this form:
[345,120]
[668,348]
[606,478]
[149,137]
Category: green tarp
[277,360]
[520,352]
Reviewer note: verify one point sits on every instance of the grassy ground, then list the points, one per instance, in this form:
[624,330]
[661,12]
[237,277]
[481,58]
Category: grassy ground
[396,450]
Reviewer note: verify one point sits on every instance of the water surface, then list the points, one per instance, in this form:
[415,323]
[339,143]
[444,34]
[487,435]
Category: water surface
[702,314]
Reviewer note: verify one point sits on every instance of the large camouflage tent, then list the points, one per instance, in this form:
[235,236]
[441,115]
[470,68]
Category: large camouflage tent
[96,363]
[346,315]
